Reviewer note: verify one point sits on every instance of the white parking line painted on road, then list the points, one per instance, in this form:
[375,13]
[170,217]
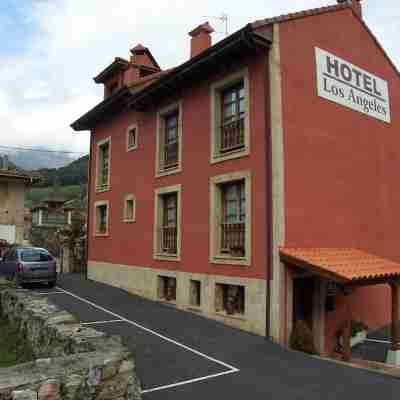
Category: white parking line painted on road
[231,371]
[231,368]
[55,292]
[378,341]
[102,322]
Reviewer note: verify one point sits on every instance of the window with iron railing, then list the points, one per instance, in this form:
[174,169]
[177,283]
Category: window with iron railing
[169,236]
[233,227]
[233,115]
[103,166]
[170,156]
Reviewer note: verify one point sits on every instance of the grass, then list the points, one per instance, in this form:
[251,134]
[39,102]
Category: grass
[13,350]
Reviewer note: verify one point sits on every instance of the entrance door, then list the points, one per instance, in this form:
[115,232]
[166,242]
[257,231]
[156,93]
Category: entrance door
[303,291]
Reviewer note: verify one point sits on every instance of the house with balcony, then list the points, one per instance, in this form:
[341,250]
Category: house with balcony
[13,186]
[256,183]
[51,212]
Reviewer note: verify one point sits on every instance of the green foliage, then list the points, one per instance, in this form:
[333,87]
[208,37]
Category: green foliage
[13,348]
[357,326]
[74,173]
[301,338]
[37,194]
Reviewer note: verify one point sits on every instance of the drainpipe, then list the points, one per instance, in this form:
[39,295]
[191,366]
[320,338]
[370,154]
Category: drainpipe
[88,191]
[269,205]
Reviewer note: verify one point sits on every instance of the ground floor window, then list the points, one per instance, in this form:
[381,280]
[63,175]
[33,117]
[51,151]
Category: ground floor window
[195,293]
[167,288]
[230,299]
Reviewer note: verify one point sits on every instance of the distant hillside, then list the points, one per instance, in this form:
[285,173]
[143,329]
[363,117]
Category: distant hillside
[74,173]
[33,160]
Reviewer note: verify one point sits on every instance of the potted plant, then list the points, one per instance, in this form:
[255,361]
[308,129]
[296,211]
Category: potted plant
[358,332]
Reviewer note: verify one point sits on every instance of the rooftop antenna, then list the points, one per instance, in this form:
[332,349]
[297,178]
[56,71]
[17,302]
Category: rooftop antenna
[223,18]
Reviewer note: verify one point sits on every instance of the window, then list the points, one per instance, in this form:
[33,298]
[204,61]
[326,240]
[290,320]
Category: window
[195,293]
[112,88]
[34,255]
[171,142]
[103,165]
[234,218]
[101,218]
[130,208]
[229,299]
[167,288]
[230,217]
[233,111]
[167,227]
[230,118]
[169,146]
[131,138]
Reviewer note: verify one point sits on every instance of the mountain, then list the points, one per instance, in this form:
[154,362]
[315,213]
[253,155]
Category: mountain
[33,160]
[75,173]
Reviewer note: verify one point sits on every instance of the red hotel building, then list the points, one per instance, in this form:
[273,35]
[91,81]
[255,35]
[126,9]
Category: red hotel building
[238,184]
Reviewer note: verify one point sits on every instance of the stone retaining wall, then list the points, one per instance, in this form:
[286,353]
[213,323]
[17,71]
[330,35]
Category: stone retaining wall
[73,362]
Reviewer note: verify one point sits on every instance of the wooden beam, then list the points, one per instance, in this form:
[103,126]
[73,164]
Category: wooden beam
[395,317]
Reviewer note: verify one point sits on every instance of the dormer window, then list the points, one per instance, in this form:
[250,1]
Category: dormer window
[112,88]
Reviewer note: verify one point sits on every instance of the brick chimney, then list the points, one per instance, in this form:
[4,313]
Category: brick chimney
[201,39]
[355,5]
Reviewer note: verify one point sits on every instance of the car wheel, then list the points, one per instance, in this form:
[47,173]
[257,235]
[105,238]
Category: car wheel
[52,284]
[16,280]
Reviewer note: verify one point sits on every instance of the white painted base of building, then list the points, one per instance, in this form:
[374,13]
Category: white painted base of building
[393,357]
[143,281]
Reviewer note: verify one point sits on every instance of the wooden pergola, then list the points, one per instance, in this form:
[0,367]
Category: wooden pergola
[350,268]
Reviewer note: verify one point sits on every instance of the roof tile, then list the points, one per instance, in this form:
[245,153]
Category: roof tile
[344,264]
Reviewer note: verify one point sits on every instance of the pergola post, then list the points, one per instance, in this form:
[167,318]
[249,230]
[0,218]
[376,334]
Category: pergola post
[347,329]
[393,356]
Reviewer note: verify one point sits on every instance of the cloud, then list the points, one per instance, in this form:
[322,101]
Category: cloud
[47,85]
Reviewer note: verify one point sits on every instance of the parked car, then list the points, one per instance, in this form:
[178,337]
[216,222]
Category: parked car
[29,264]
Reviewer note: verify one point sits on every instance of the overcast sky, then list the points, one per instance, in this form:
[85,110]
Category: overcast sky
[51,49]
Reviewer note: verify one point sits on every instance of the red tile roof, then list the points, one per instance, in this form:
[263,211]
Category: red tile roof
[344,265]
[300,14]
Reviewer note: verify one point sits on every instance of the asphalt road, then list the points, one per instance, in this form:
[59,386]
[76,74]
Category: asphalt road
[182,355]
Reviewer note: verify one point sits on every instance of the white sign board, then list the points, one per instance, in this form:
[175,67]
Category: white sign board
[351,86]
[8,232]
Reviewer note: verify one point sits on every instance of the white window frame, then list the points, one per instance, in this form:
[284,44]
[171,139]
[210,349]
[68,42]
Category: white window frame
[95,219]
[99,144]
[216,182]
[160,131]
[128,131]
[129,197]
[158,217]
[216,118]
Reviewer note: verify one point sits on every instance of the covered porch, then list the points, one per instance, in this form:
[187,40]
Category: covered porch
[316,276]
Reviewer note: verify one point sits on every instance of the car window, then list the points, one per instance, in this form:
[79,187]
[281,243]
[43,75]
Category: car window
[33,255]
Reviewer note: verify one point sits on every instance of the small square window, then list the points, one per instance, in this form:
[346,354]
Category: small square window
[195,293]
[167,288]
[229,299]
[131,140]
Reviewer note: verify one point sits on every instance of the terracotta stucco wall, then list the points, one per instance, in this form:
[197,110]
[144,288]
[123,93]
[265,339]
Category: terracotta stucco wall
[341,166]
[134,172]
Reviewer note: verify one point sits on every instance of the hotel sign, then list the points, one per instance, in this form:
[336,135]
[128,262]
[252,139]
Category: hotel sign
[351,86]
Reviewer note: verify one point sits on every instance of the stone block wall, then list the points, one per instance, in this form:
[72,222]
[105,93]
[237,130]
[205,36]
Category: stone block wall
[73,362]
